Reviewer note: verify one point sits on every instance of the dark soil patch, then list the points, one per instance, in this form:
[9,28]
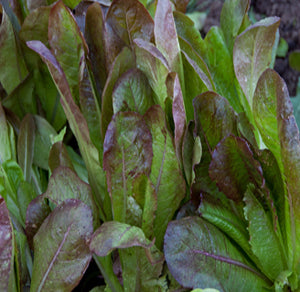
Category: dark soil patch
[287,10]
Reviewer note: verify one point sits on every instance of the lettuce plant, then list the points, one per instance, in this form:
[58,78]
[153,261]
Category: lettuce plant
[184,173]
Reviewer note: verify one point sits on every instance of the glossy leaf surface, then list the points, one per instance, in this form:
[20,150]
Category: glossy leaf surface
[263,240]
[252,53]
[65,184]
[63,235]
[132,92]
[280,133]
[165,173]
[77,122]
[154,65]
[127,154]
[199,255]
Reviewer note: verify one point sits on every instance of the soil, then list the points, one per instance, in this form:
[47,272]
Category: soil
[287,10]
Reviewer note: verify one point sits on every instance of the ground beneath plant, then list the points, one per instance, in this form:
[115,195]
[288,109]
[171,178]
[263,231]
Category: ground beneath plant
[287,10]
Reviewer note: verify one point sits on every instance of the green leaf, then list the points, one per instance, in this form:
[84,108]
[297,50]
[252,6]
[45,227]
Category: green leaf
[233,167]
[127,154]
[112,235]
[199,255]
[191,151]
[263,240]
[219,61]
[132,92]
[154,65]
[91,109]
[25,194]
[65,184]
[42,141]
[232,16]
[227,217]
[62,239]
[79,127]
[280,134]
[145,195]
[13,68]
[7,138]
[166,175]
[26,146]
[26,104]
[294,60]
[141,261]
[276,185]
[67,43]
[35,25]
[11,176]
[130,20]
[6,248]
[198,72]
[123,62]
[250,58]
[188,35]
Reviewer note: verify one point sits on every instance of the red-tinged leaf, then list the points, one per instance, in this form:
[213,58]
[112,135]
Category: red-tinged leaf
[78,125]
[154,65]
[132,92]
[140,260]
[37,212]
[199,255]
[65,184]
[127,154]
[252,53]
[214,118]
[233,167]
[112,235]
[35,26]
[90,107]
[60,248]
[67,44]
[26,146]
[13,68]
[181,5]
[166,175]
[59,156]
[130,20]
[191,151]
[178,113]
[123,62]
[6,248]
[95,34]
[273,114]
[166,35]
[35,4]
